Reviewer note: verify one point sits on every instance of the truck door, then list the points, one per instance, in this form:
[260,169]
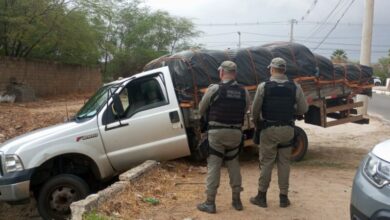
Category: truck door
[151,125]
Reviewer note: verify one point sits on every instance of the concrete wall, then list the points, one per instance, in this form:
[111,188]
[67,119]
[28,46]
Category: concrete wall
[49,78]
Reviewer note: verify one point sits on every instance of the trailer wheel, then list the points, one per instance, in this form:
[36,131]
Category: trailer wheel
[300,145]
[58,193]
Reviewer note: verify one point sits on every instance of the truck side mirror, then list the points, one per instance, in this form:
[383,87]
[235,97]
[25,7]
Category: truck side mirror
[117,105]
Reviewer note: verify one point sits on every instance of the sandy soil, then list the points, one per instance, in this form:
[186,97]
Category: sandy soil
[320,184]
[17,119]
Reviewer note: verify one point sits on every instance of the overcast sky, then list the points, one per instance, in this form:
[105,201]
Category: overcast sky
[265,21]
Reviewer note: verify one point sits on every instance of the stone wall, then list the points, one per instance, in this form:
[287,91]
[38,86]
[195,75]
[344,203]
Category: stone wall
[49,78]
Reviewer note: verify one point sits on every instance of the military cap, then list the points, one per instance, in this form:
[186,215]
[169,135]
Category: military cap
[278,62]
[228,66]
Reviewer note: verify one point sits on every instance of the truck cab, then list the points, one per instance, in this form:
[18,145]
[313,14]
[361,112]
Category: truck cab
[123,124]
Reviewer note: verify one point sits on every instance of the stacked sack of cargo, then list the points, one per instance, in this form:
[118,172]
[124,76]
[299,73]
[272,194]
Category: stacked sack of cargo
[194,70]
[352,74]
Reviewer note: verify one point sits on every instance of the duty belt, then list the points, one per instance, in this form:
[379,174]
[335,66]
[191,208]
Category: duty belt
[268,124]
[213,127]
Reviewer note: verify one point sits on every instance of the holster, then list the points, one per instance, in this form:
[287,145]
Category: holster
[256,136]
[206,149]
[262,125]
[203,124]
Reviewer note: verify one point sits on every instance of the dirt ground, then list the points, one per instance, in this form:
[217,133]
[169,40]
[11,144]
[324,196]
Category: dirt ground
[17,119]
[320,185]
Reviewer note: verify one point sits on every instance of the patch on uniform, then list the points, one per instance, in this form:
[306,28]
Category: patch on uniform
[233,94]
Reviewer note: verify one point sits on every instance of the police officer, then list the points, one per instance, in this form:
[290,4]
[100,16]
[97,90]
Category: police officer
[275,105]
[225,105]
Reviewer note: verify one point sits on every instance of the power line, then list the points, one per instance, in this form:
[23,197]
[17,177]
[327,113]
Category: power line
[338,10]
[325,20]
[334,27]
[296,37]
[245,23]
[344,44]
[316,23]
[218,34]
[265,35]
[312,6]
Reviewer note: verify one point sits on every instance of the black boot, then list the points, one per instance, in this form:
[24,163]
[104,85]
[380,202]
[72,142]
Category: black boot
[284,201]
[236,201]
[208,206]
[260,199]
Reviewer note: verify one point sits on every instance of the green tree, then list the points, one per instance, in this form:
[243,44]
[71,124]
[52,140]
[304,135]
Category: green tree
[144,35]
[382,68]
[183,30]
[48,29]
[123,35]
[339,56]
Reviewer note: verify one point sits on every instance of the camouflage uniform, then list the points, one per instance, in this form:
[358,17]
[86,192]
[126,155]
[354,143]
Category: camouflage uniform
[271,137]
[221,140]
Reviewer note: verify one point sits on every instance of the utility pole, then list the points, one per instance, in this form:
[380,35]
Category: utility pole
[239,39]
[293,21]
[365,49]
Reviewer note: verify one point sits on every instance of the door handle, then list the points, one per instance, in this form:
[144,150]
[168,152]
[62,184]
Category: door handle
[174,116]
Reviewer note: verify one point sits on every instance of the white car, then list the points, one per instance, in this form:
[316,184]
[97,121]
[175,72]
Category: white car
[371,187]
[377,81]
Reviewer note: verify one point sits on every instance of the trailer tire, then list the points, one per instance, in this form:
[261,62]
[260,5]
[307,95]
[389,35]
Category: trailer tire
[58,193]
[300,145]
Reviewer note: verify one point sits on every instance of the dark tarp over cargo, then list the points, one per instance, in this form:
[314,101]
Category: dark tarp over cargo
[193,70]
[300,60]
[325,68]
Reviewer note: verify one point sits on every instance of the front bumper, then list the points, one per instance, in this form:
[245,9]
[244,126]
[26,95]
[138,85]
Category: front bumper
[379,215]
[15,192]
[15,186]
[368,201]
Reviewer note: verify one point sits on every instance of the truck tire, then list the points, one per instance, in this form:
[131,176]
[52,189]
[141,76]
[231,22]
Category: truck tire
[58,193]
[300,145]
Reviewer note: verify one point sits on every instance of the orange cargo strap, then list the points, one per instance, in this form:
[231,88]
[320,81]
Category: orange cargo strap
[303,78]
[185,105]
[200,58]
[253,65]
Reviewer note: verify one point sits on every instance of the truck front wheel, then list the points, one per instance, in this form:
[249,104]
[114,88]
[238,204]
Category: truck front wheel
[58,193]
[300,144]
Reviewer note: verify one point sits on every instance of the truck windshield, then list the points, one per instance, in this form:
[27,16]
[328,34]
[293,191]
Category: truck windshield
[95,103]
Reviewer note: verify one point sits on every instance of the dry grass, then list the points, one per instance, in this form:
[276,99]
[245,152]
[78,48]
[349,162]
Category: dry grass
[19,118]
[170,184]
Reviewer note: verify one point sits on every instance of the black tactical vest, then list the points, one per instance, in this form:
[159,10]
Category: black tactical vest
[279,101]
[228,104]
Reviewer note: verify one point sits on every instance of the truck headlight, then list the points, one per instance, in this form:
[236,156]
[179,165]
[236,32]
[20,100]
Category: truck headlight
[12,163]
[377,171]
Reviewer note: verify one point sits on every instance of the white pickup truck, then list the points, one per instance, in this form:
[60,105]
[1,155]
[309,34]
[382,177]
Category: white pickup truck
[125,123]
